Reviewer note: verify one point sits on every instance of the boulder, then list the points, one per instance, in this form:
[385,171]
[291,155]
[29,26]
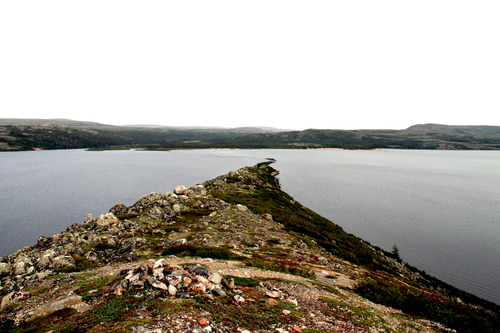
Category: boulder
[4,268]
[20,268]
[62,261]
[181,190]
[106,220]
[199,190]
[74,302]
[119,209]
[215,278]
[89,219]
[46,259]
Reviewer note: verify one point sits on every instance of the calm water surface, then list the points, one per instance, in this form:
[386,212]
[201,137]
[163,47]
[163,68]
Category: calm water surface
[441,208]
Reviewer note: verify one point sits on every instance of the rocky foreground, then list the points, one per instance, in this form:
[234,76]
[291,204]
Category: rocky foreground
[234,254]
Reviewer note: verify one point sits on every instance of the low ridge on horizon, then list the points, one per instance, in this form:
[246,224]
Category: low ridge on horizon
[27,134]
[32,121]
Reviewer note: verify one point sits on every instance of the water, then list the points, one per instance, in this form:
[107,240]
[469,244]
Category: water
[441,208]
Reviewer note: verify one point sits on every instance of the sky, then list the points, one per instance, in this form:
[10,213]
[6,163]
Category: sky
[354,64]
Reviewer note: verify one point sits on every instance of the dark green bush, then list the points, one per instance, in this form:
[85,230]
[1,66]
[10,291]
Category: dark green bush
[457,315]
[203,251]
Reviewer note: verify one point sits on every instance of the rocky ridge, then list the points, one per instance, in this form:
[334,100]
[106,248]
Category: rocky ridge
[195,260]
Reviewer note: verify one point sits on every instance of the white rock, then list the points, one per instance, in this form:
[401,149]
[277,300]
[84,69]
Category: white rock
[215,278]
[107,219]
[172,290]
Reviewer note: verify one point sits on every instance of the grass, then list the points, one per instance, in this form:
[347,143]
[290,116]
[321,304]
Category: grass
[330,289]
[113,310]
[241,281]
[360,315]
[250,315]
[281,265]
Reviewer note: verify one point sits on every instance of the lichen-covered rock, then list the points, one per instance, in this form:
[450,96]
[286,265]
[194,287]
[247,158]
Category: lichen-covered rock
[119,209]
[89,219]
[181,190]
[74,302]
[4,268]
[199,190]
[106,220]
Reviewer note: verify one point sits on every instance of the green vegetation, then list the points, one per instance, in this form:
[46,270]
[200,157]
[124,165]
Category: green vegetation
[253,316]
[81,264]
[431,305]
[283,266]
[360,315]
[268,198]
[202,251]
[241,281]
[27,135]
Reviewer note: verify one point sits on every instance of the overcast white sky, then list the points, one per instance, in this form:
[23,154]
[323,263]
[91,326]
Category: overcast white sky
[288,64]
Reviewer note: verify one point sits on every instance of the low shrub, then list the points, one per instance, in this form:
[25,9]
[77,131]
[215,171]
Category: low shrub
[203,251]
[457,315]
[283,266]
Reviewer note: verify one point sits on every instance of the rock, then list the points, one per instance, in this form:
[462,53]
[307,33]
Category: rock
[159,263]
[292,300]
[199,190]
[181,190]
[4,268]
[176,208]
[106,220]
[228,283]
[89,219]
[172,290]
[239,299]
[242,208]
[74,302]
[144,329]
[6,299]
[271,302]
[19,268]
[202,321]
[42,241]
[62,261]
[45,259]
[286,312]
[119,209]
[272,294]
[267,216]
[218,292]
[201,271]
[159,285]
[198,288]
[215,278]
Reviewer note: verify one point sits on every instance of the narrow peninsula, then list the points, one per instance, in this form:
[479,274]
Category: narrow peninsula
[233,254]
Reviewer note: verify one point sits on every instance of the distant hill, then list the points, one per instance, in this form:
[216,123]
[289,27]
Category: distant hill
[26,134]
[53,122]
[459,129]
